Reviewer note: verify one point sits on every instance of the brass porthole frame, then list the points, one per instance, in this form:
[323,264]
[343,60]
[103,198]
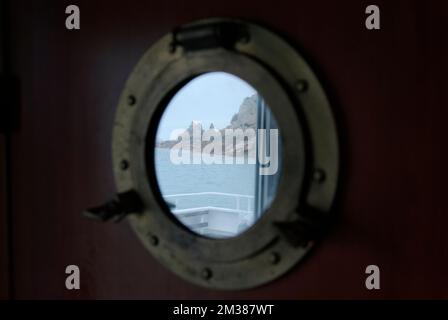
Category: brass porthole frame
[301,209]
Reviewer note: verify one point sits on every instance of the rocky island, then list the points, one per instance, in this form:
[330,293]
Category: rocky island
[245,120]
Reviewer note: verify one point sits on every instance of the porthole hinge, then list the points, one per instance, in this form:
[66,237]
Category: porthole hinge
[117,208]
[211,35]
[305,228]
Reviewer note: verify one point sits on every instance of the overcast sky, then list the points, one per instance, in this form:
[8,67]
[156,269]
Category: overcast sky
[210,98]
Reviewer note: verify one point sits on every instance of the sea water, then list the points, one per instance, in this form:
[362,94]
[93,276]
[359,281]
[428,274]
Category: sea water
[175,179]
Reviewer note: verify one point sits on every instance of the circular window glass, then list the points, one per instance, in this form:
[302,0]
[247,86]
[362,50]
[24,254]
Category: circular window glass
[217,155]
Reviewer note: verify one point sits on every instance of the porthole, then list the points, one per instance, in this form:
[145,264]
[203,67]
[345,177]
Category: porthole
[216,155]
[215,234]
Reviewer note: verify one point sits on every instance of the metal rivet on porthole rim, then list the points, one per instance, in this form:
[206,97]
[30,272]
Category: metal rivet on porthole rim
[274,258]
[319,175]
[154,240]
[124,164]
[206,273]
[131,100]
[301,85]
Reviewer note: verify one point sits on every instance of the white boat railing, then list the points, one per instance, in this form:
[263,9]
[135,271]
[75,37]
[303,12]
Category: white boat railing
[248,199]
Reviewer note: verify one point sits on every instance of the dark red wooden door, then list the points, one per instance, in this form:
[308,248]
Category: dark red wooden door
[388,89]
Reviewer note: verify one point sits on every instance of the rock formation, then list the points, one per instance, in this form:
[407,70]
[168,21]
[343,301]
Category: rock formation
[245,118]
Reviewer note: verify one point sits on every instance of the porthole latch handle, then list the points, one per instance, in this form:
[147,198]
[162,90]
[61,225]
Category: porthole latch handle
[117,208]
